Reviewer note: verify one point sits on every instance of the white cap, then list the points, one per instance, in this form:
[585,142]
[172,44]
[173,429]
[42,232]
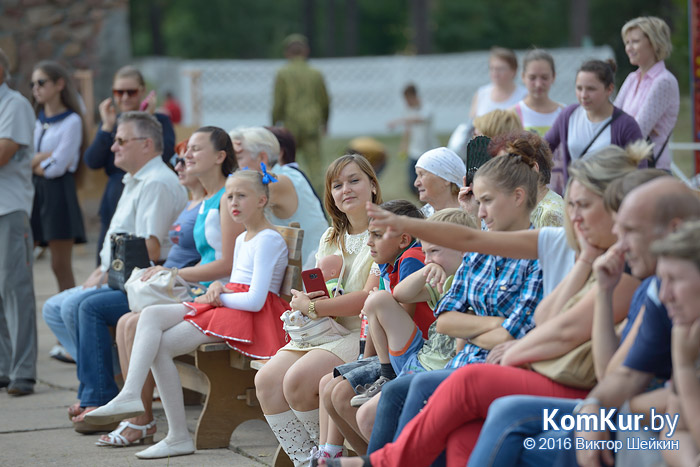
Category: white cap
[444,163]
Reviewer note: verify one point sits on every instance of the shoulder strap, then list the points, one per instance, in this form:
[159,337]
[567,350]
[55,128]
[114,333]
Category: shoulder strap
[614,116]
[655,158]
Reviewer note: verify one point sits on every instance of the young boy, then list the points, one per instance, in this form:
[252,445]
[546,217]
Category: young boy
[396,258]
[400,347]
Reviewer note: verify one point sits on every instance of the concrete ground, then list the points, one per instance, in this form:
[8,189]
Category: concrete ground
[35,430]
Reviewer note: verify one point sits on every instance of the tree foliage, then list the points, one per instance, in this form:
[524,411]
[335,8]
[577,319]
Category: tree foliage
[256,28]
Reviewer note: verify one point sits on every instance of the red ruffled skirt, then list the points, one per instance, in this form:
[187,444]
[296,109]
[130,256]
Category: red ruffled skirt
[256,334]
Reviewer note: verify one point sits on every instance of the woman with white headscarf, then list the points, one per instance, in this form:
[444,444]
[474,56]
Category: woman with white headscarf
[439,175]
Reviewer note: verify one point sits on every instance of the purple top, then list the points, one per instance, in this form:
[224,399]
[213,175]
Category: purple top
[623,130]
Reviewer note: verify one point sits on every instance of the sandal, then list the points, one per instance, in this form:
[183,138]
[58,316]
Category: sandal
[88,428]
[116,439]
[74,410]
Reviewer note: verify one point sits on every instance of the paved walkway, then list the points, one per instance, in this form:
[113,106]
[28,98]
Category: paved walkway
[35,430]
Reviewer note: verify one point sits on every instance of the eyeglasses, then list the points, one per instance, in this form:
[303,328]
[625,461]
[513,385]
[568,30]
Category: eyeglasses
[179,160]
[122,141]
[120,92]
[39,82]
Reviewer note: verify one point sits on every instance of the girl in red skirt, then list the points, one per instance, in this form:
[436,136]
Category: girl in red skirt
[244,314]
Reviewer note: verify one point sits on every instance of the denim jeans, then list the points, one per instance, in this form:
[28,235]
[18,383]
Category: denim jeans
[95,365]
[401,400]
[510,421]
[61,315]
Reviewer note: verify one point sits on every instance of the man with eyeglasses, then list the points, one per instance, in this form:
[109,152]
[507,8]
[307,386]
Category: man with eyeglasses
[151,201]
[128,93]
[18,344]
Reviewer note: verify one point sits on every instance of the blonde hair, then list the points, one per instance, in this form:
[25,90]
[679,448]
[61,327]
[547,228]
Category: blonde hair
[455,216]
[599,170]
[339,220]
[508,172]
[684,243]
[254,177]
[656,30]
[498,122]
[130,71]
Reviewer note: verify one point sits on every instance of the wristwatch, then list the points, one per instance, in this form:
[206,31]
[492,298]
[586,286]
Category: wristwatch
[312,310]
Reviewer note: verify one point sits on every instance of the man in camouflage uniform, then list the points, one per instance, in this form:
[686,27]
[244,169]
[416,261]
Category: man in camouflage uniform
[301,104]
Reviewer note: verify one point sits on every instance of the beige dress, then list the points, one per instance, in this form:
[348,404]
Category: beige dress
[357,264]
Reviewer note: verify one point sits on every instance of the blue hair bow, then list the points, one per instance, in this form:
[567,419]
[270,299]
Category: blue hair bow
[266,177]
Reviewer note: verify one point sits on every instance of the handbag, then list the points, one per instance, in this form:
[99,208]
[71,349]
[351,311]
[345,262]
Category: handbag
[128,252]
[162,288]
[574,368]
[317,331]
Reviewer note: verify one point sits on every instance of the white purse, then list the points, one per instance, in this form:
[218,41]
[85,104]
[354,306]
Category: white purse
[163,288]
[317,331]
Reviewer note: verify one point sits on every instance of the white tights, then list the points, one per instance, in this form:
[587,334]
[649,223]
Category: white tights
[161,335]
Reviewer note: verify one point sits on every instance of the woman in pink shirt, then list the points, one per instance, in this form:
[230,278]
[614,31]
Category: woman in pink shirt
[650,94]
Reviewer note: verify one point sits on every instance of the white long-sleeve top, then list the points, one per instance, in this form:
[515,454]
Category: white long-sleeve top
[259,262]
[62,139]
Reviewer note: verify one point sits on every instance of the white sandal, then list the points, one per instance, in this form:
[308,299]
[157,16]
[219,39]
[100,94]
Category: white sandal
[116,439]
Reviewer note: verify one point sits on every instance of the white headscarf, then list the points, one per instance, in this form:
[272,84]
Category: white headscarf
[444,163]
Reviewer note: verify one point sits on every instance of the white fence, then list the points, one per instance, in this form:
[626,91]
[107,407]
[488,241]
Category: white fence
[365,92]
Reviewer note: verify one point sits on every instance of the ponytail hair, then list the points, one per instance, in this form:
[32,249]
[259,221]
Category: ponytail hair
[603,70]
[255,178]
[513,170]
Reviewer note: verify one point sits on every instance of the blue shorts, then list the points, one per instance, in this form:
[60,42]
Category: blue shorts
[405,361]
[360,372]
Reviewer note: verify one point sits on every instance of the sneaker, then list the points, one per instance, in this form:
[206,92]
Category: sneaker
[373,389]
[21,387]
[58,352]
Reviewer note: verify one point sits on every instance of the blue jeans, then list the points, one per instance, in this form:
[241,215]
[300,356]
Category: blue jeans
[61,315]
[401,400]
[95,365]
[510,421]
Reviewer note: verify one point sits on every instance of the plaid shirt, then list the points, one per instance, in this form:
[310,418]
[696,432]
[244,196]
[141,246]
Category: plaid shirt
[494,286]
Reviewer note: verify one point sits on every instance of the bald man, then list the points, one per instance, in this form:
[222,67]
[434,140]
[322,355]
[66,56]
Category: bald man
[647,213]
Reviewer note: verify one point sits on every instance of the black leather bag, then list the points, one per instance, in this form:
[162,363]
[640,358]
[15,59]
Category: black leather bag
[128,252]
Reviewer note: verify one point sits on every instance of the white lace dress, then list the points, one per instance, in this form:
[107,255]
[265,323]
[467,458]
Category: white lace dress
[357,264]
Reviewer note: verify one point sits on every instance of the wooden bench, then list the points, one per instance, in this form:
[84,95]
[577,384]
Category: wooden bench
[225,377]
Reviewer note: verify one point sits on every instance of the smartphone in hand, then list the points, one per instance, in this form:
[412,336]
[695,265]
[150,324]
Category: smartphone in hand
[144,103]
[314,282]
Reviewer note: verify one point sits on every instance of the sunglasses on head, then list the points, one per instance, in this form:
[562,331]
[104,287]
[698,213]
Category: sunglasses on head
[39,82]
[120,92]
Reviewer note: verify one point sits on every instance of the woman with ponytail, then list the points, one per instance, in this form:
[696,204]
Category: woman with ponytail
[594,122]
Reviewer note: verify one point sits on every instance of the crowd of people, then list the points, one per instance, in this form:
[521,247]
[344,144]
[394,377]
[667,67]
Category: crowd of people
[495,302]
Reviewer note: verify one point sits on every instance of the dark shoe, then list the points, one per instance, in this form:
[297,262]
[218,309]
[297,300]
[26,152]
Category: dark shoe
[21,387]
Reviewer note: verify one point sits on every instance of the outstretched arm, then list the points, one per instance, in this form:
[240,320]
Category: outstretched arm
[521,244]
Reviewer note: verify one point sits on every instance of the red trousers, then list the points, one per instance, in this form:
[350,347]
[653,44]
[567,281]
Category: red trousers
[455,412]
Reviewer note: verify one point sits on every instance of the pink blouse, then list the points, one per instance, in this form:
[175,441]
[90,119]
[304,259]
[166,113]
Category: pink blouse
[653,102]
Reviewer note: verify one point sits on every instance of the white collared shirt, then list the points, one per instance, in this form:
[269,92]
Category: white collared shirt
[151,201]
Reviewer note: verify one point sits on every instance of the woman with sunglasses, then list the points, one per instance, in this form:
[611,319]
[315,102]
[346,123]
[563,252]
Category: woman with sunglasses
[128,90]
[58,137]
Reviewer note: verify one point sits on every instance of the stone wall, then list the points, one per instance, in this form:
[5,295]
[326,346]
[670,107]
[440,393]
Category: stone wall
[80,34]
